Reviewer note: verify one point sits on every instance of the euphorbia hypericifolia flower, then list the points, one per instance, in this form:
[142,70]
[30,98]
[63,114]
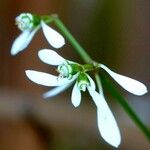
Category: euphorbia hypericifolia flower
[70,72]
[29,24]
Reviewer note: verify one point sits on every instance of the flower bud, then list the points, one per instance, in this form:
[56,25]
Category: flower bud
[83,82]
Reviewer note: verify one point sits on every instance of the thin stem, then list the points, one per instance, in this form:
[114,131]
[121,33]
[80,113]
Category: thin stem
[84,55]
[47,19]
[123,102]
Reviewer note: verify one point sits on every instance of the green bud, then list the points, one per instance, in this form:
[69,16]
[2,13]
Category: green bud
[83,82]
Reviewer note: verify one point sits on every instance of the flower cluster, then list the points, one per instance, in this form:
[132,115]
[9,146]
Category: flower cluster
[29,24]
[71,73]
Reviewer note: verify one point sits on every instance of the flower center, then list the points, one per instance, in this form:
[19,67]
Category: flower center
[25,21]
[67,70]
[82,85]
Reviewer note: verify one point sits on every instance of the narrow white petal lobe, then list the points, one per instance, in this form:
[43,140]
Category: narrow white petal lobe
[106,122]
[131,85]
[56,91]
[20,42]
[92,83]
[53,37]
[50,57]
[23,40]
[46,79]
[76,96]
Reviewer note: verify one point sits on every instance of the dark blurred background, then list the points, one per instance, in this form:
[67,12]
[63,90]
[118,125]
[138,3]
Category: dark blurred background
[115,33]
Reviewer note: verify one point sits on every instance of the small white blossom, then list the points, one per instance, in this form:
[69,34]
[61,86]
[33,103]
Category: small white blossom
[65,78]
[29,25]
[106,122]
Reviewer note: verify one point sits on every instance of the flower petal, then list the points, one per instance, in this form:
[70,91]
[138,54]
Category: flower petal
[19,43]
[22,41]
[76,96]
[53,37]
[46,79]
[50,57]
[127,83]
[92,83]
[106,122]
[56,91]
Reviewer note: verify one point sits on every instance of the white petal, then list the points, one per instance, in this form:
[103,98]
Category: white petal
[76,96]
[127,83]
[53,37]
[19,43]
[46,79]
[106,122]
[50,57]
[92,83]
[56,90]
[22,41]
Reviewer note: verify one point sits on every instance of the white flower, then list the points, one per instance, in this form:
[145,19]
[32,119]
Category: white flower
[66,73]
[106,122]
[69,72]
[131,85]
[29,24]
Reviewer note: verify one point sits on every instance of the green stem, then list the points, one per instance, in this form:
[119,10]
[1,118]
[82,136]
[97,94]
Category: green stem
[47,19]
[84,55]
[123,102]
